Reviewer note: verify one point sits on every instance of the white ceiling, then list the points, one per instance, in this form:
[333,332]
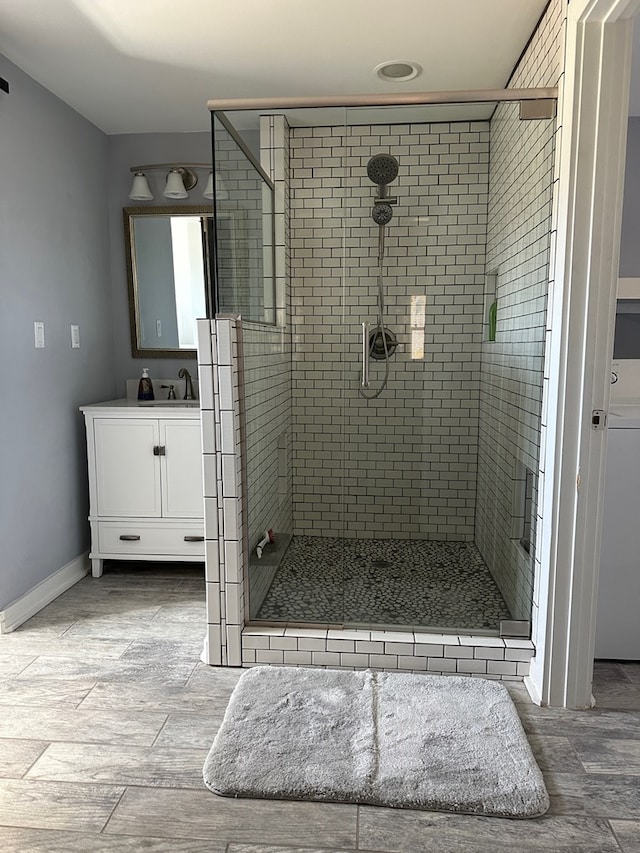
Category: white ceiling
[151,65]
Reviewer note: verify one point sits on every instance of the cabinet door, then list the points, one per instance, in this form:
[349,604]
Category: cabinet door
[127,472]
[182,492]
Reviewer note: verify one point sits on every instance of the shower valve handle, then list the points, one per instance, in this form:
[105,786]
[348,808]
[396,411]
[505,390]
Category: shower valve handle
[365,354]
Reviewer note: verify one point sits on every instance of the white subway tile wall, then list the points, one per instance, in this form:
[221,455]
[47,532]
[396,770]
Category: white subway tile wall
[266,372]
[250,380]
[403,465]
[207,359]
[519,239]
[267,398]
[229,573]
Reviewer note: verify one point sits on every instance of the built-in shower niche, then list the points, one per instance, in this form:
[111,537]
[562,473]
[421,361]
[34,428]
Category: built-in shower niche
[524,502]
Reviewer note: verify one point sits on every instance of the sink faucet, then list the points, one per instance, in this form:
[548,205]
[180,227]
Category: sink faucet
[183,373]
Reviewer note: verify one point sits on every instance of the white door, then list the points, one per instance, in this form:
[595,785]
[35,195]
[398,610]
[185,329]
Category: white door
[181,462]
[127,471]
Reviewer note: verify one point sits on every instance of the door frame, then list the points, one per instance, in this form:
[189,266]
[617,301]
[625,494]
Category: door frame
[593,117]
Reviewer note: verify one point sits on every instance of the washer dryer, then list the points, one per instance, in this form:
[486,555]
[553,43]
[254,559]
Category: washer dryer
[618,614]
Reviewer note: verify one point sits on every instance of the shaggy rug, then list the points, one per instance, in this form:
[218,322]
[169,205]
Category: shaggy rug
[447,743]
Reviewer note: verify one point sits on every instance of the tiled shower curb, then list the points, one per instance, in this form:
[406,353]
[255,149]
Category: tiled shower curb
[408,651]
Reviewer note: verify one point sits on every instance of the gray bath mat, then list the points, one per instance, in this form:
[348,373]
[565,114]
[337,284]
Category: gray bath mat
[445,743]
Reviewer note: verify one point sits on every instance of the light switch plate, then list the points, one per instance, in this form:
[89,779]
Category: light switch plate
[38,334]
[75,336]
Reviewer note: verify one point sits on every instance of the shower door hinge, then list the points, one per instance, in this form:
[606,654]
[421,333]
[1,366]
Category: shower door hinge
[519,628]
[539,109]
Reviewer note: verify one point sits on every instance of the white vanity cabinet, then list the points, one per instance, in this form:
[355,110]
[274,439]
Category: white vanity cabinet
[145,482]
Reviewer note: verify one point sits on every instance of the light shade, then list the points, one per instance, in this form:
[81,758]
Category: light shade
[208,193]
[175,185]
[140,188]
[221,190]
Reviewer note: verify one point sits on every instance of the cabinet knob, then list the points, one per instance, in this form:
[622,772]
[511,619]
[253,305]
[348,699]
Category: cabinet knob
[194,538]
[130,537]
[159,450]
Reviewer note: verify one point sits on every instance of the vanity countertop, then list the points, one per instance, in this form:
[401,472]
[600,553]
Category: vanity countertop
[179,408]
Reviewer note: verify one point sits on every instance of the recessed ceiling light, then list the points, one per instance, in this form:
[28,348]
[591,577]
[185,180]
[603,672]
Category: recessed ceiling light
[397,70]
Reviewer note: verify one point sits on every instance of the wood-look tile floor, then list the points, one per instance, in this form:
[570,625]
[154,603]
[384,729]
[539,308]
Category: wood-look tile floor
[106,715]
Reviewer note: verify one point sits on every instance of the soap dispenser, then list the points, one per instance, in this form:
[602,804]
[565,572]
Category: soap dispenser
[145,386]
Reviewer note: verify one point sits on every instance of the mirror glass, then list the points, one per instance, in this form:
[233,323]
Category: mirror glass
[168,275]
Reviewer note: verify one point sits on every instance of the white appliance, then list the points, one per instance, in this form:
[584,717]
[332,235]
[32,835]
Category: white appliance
[625,370]
[618,615]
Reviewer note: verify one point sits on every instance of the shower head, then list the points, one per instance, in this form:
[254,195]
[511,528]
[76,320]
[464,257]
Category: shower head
[381,213]
[382,169]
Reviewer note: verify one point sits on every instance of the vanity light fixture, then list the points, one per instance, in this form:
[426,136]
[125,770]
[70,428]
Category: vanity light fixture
[180,180]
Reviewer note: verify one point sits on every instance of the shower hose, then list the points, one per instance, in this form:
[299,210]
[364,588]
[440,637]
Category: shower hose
[380,327]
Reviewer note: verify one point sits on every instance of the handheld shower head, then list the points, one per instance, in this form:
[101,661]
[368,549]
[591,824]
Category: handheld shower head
[381,213]
[382,169]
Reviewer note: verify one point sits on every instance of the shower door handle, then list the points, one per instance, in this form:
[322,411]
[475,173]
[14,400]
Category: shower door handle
[365,354]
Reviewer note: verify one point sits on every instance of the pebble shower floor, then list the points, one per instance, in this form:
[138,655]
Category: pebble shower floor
[412,583]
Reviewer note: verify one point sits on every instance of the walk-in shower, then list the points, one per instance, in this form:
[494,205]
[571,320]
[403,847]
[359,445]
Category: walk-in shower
[383,434]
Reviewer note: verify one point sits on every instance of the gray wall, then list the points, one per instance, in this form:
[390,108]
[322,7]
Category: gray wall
[629,243]
[54,266]
[64,184]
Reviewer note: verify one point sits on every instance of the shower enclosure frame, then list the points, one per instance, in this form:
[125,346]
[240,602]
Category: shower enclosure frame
[545,108]
[413,99]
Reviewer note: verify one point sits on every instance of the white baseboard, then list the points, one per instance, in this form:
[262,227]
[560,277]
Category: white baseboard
[32,602]
[532,689]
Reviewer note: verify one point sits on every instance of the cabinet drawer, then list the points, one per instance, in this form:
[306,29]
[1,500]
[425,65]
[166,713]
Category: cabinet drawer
[126,538]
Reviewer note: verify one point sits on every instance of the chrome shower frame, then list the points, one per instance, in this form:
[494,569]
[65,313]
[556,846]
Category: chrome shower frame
[415,99]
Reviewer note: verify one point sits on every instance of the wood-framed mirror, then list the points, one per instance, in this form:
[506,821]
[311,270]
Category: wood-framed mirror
[169,278]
